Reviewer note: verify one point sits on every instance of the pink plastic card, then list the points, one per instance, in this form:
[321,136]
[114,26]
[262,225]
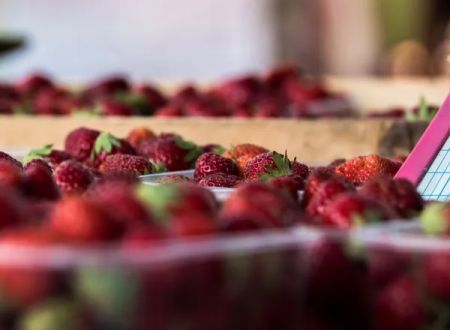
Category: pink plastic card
[428,165]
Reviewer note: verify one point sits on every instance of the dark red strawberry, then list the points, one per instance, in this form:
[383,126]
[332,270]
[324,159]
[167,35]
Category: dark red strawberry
[80,143]
[169,110]
[435,219]
[364,168]
[264,203]
[138,135]
[348,210]
[53,101]
[192,225]
[239,91]
[5,156]
[144,237]
[12,208]
[277,77]
[211,163]
[83,220]
[33,83]
[39,181]
[290,184]
[267,165]
[135,165]
[399,306]
[72,177]
[219,180]
[10,174]
[238,223]
[325,193]
[300,169]
[436,274]
[399,194]
[106,87]
[318,176]
[152,95]
[170,153]
[106,144]
[116,108]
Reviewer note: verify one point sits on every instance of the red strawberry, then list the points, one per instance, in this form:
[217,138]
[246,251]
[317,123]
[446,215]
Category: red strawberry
[399,306]
[242,153]
[350,209]
[48,154]
[239,91]
[184,94]
[10,174]
[219,180]
[192,225]
[12,211]
[364,168]
[53,101]
[39,181]
[291,184]
[72,177]
[107,87]
[115,108]
[399,194]
[80,142]
[264,203]
[24,285]
[144,237]
[105,145]
[300,169]
[318,176]
[33,83]
[83,220]
[5,156]
[152,95]
[435,219]
[325,193]
[277,77]
[169,110]
[239,223]
[135,165]
[436,273]
[138,135]
[267,165]
[170,153]
[211,163]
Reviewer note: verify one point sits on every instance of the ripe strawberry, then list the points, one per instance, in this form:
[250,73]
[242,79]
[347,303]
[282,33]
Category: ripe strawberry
[267,165]
[80,142]
[290,184]
[53,101]
[105,145]
[138,135]
[277,77]
[192,225]
[10,174]
[170,153]
[214,148]
[72,177]
[219,180]
[300,169]
[264,203]
[106,87]
[399,194]
[347,210]
[325,193]
[174,178]
[135,165]
[436,274]
[152,95]
[5,156]
[238,223]
[239,91]
[211,163]
[115,108]
[48,154]
[435,219]
[25,285]
[169,110]
[242,153]
[12,211]
[39,181]
[318,176]
[364,168]
[84,220]
[33,83]
[185,94]
[144,237]
[398,306]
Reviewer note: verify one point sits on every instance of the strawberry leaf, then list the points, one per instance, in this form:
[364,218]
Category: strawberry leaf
[135,101]
[192,155]
[282,167]
[183,144]
[38,153]
[219,150]
[105,142]
[159,167]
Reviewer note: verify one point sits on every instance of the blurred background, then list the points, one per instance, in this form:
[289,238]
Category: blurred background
[208,40]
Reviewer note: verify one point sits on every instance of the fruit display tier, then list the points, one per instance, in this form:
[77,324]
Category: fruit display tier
[314,141]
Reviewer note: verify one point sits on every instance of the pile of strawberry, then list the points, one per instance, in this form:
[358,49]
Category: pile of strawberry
[282,92]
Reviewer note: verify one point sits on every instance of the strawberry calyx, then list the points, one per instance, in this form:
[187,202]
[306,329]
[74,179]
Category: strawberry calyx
[105,142]
[159,167]
[135,101]
[38,153]
[219,150]
[157,199]
[282,167]
[194,151]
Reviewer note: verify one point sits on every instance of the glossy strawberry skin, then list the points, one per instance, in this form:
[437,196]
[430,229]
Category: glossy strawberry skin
[219,180]
[72,177]
[346,209]
[315,179]
[195,199]
[130,164]
[12,208]
[290,184]
[83,220]
[436,274]
[10,174]
[399,194]
[364,168]
[79,143]
[39,181]
[192,225]
[106,145]
[259,165]
[211,163]
[138,135]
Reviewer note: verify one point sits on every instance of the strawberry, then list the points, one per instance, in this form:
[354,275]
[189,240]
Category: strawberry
[24,285]
[435,219]
[39,181]
[135,165]
[347,210]
[398,306]
[11,208]
[33,83]
[214,148]
[105,145]
[264,166]
[15,162]
[106,87]
[219,180]
[170,153]
[300,169]
[192,225]
[138,135]
[168,201]
[169,110]
[239,91]
[173,178]
[10,174]
[115,108]
[290,184]
[264,203]
[318,176]
[325,193]
[364,168]
[246,149]
[211,163]
[53,101]
[436,274]
[80,143]
[72,177]
[184,94]
[398,194]
[84,220]
[238,223]
[152,95]
[48,154]
[277,77]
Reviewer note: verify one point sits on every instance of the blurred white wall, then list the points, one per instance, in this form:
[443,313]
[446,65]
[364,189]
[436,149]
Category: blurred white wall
[148,39]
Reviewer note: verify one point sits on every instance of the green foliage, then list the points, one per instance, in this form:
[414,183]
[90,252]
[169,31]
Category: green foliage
[38,153]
